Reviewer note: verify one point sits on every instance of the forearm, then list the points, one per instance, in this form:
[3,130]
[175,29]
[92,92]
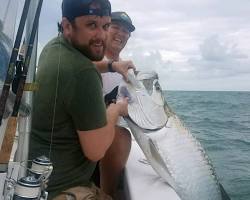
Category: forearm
[112,118]
[120,67]
[102,66]
[101,138]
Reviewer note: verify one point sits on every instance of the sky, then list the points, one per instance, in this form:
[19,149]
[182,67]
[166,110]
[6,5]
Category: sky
[193,45]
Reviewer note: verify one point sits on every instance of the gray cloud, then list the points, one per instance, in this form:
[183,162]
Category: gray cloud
[189,43]
[213,50]
[198,40]
[219,60]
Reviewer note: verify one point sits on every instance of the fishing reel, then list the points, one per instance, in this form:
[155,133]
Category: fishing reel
[19,69]
[33,186]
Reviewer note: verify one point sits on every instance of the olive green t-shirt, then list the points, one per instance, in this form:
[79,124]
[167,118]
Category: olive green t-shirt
[69,98]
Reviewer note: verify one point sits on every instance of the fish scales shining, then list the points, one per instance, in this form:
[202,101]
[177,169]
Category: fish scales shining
[174,153]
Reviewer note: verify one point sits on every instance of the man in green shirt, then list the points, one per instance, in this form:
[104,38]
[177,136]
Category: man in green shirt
[70,123]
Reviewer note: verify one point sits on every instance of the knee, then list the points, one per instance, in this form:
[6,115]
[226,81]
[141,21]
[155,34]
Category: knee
[123,135]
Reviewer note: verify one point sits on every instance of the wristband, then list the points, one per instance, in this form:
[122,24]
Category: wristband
[110,68]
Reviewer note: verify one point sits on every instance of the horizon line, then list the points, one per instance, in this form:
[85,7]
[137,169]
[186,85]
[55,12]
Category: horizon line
[182,90]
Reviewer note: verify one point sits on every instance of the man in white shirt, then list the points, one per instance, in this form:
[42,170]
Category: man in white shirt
[118,35]
[114,161]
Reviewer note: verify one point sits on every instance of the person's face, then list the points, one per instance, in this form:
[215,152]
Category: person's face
[118,35]
[88,34]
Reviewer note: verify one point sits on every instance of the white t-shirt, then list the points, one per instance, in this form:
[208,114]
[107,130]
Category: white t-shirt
[110,80]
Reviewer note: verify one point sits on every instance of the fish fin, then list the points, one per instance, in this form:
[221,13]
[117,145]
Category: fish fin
[224,194]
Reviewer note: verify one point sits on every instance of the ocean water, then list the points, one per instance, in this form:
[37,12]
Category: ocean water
[221,122]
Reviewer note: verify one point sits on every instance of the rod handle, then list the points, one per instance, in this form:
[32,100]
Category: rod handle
[8,140]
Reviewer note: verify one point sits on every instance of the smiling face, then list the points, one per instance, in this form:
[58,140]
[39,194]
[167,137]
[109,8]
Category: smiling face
[118,35]
[89,35]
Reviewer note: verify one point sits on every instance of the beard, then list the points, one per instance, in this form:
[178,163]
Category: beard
[88,52]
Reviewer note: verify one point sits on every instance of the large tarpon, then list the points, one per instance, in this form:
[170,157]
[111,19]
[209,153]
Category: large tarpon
[171,149]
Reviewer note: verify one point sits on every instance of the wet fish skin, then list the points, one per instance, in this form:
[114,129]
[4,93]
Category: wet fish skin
[180,161]
[174,153]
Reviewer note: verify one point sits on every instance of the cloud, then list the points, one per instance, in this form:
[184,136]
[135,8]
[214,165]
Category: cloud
[199,41]
[218,59]
[192,44]
[213,50]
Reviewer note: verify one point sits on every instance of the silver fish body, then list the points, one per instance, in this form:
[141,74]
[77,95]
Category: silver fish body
[171,149]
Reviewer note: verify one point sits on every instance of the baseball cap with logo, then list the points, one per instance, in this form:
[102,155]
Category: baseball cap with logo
[76,8]
[123,18]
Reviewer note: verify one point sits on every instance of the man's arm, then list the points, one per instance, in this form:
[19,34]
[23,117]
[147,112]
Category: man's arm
[96,142]
[120,67]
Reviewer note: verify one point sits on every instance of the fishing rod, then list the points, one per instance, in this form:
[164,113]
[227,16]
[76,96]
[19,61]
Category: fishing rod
[12,62]
[12,121]
[21,84]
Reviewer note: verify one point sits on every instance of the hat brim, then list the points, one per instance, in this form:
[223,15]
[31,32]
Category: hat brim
[129,26]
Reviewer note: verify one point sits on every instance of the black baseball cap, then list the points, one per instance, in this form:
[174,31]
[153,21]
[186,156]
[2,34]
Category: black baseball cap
[123,18]
[76,8]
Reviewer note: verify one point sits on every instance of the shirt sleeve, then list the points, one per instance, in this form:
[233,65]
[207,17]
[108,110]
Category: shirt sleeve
[85,101]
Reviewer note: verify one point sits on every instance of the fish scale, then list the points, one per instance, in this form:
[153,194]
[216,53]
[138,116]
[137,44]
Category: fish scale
[181,151]
[171,149]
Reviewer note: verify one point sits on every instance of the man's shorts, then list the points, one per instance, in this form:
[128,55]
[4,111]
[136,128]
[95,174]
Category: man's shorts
[83,193]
